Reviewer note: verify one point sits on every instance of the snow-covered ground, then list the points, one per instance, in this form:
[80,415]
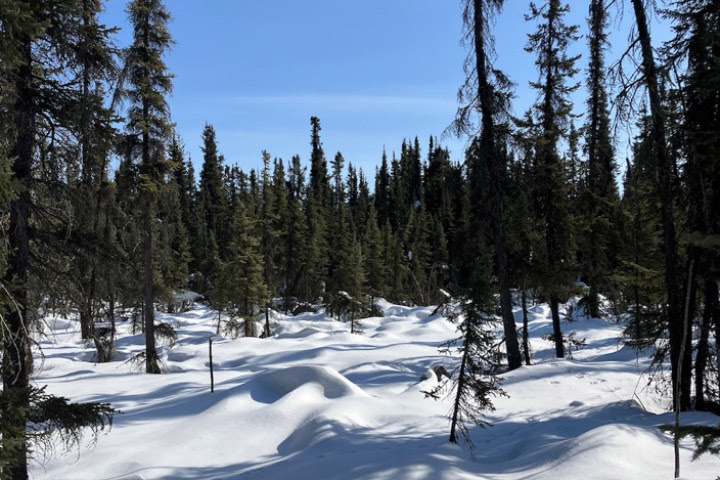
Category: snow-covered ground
[317,402]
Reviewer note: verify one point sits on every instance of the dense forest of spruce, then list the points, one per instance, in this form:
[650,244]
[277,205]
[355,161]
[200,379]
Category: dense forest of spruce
[103,215]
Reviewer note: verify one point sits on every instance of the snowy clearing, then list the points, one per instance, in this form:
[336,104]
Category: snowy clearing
[317,402]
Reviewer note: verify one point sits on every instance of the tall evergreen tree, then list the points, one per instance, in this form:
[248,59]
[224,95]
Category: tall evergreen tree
[602,194]
[437,185]
[16,308]
[376,271]
[148,118]
[697,42]
[280,227]
[183,178]
[129,282]
[241,281]
[523,232]
[174,245]
[318,211]
[364,201]
[319,183]
[38,53]
[267,222]
[95,67]
[382,191]
[338,187]
[664,174]
[485,91]
[212,193]
[640,272]
[550,43]
[296,247]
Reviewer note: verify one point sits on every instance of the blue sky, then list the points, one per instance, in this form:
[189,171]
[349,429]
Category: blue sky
[374,72]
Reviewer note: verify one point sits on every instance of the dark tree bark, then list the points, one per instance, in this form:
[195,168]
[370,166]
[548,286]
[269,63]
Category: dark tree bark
[557,331]
[695,33]
[151,357]
[17,359]
[664,169]
[87,292]
[703,348]
[496,172]
[268,333]
[459,394]
[525,336]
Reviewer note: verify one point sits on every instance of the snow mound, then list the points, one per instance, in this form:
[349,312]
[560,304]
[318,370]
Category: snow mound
[179,356]
[272,386]
[606,449]
[311,433]
[316,401]
[305,332]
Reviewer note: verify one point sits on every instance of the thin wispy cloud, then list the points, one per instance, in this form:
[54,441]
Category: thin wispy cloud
[345,102]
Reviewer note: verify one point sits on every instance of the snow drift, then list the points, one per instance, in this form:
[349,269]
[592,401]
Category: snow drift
[319,402]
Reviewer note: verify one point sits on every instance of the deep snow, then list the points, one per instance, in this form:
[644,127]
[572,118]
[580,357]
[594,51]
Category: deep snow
[317,402]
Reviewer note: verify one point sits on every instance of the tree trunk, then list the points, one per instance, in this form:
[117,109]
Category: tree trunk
[495,167]
[716,320]
[458,393]
[86,180]
[681,367]
[85,321]
[664,170]
[268,333]
[151,356]
[557,331]
[690,288]
[17,358]
[553,230]
[111,316]
[249,321]
[703,348]
[525,339]
[212,370]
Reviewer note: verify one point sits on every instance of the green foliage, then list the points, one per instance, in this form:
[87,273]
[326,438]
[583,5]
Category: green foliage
[233,327]
[376,270]
[599,199]
[211,194]
[165,331]
[547,124]
[6,195]
[639,275]
[41,418]
[148,84]
[239,287]
[475,382]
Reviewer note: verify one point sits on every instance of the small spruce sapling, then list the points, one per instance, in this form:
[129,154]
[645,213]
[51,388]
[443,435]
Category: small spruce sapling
[343,305]
[474,382]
